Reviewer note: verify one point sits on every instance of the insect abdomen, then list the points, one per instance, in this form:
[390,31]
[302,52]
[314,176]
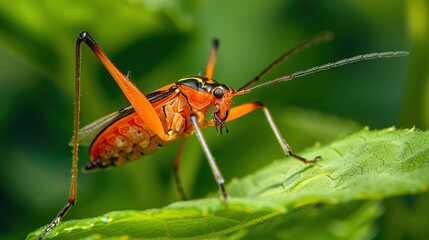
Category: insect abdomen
[126,139]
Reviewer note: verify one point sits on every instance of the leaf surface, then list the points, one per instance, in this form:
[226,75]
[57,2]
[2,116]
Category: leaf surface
[365,165]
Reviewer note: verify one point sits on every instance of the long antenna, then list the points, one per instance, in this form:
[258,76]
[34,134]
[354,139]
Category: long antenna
[321,37]
[327,66]
[212,58]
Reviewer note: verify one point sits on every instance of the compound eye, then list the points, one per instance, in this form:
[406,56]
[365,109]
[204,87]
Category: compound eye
[218,93]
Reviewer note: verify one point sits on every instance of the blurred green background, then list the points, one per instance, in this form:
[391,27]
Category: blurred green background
[162,41]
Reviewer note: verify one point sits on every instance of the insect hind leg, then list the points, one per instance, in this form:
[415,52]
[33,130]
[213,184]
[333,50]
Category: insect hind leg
[57,219]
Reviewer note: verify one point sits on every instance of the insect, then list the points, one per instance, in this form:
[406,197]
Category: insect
[177,110]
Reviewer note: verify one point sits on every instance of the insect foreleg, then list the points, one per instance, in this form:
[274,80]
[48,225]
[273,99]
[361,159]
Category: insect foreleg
[244,109]
[282,141]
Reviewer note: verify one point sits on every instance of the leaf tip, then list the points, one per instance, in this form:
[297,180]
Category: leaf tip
[413,128]
[391,128]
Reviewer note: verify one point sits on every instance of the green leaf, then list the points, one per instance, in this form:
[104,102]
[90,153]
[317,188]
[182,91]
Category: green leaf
[365,165]
[354,220]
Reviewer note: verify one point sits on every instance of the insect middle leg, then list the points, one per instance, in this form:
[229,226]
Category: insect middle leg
[244,109]
[177,179]
[215,169]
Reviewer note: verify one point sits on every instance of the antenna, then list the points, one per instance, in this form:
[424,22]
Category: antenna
[321,37]
[327,66]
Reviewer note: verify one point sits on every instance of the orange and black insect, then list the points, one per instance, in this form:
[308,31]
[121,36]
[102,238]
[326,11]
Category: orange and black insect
[174,111]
